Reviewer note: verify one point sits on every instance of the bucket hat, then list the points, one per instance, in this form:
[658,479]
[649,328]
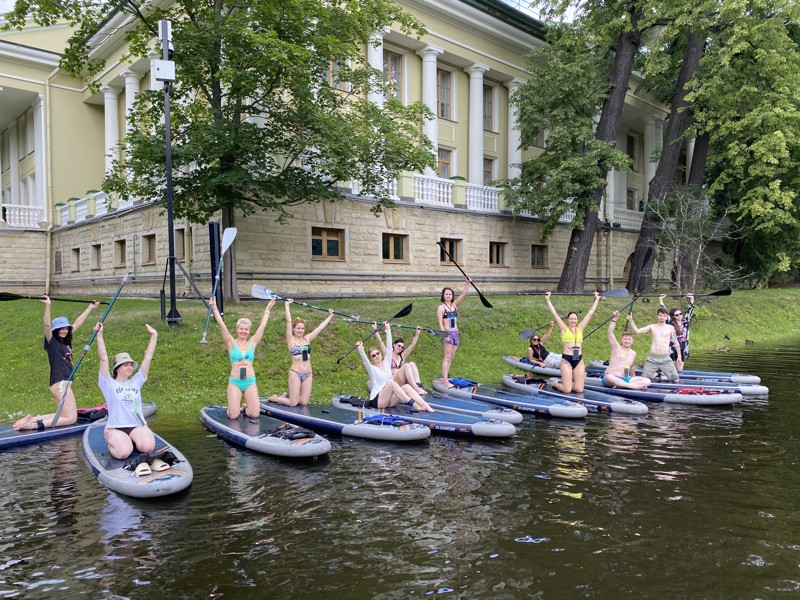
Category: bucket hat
[60,323]
[122,358]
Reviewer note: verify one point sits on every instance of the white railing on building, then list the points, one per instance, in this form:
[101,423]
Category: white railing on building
[433,190]
[390,189]
[627,219]
[19,215]
[482,198]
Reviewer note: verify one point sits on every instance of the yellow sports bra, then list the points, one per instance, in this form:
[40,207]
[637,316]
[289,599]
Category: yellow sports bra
[572,338]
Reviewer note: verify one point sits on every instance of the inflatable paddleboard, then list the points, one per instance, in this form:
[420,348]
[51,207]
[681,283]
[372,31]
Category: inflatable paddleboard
[264,434]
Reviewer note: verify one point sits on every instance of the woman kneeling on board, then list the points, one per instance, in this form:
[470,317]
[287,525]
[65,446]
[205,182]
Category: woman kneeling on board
[122,390]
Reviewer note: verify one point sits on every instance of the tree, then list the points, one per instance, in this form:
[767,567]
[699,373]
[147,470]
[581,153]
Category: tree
[269,108]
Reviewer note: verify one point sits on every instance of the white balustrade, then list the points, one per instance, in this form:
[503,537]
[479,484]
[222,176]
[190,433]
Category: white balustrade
[433,190]
[481,198]
[19,215]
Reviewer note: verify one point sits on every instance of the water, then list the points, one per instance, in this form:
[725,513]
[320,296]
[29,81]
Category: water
[682,503]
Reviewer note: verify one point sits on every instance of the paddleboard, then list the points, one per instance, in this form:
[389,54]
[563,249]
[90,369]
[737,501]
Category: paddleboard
[597,402]
[264,434]
[111,472]
[536,405]
[473,408]
[441,423]
[691,375]
[337,421]
[9,438]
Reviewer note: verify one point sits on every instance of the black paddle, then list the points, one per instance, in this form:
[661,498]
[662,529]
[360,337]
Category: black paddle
[57,414]
[526,334]
[4,296]
[437,332]
[259,291]
[405,312]
[727,292]
[484,301]
[615,293]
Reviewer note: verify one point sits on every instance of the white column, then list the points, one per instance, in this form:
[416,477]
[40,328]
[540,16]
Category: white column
[653,142]
[514,138]
[475,173]
[430,97]
[111,124]
[39,146]
[132,87]
[375,60]
[689,154]
[13,160]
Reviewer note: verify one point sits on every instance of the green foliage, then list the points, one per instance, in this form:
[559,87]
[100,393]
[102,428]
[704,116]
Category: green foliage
[187,375]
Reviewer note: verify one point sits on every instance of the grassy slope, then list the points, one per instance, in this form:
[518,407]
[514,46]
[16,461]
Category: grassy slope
[187,375]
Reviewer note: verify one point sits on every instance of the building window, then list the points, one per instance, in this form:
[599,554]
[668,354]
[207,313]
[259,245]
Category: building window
[327,244]
[393,74]
[497,254]
[335,77]
[395,248]
[445,163]
[57,261]
[488,170]
[445,93]
[451,246]
[488,107]
[76,259]
[120,253]
[538,141]
[632,150]
[538,256]
[180,241]
[149,249]
[95,257]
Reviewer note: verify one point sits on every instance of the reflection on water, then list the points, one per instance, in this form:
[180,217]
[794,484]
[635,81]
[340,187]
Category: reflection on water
[606,507]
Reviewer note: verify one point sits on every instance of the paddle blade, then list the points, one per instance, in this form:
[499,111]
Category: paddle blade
[227,238]
[9,296]
[721,293]
[616,293]
[438,333]
[403,313]
[259,291]
[484,301]
[526,334]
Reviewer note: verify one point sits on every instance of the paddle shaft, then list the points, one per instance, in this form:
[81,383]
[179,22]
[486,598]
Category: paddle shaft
[88,345]
[402,313]
[436,332]
[9,296]
[484,301]
[710,294]
[259,291]
[615,293]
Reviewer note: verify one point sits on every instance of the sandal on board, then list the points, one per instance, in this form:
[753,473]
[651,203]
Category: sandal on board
[142,469]
[159,465]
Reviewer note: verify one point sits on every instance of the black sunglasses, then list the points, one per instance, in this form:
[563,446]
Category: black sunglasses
[535,339]
[374,354]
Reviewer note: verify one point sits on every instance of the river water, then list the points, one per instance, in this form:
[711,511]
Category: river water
[682,503]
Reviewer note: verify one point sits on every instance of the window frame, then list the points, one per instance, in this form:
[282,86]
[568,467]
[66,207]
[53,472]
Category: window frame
[452,245]
[149,249]
[323,235]
[450,162]
[397,93]
[540,250]
[391,236]
[502,255]
[492,108]
[451,116]
[120,253]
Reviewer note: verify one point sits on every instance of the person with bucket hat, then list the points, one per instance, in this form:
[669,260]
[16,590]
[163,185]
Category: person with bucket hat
[122,391]
[58,345]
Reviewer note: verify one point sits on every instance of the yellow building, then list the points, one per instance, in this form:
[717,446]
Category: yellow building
[57,139]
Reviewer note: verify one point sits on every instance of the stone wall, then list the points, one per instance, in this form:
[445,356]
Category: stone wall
[23,261]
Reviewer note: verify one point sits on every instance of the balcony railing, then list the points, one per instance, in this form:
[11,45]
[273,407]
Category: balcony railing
[19,215]
[627,219]
[481,198]
[433,190]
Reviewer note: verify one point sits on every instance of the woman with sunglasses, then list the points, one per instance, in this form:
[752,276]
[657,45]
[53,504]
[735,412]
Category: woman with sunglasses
[403,371]
[385,391]
[537,354]
[681,322]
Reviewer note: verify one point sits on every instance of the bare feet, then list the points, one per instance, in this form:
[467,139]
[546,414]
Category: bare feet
[24,423]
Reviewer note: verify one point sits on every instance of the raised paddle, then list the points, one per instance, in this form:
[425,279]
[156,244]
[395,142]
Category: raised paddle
[484,301]
[405,312]
[88,345]
[526,334]
[437,332]
[710,294]
[615,293]
[259,291]
[4,296]
[227,239]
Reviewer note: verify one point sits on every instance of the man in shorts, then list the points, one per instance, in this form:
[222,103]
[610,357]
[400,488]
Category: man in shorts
[620,372]
[659,365]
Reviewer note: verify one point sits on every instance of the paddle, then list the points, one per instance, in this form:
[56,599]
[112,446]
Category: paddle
[259,291]
[57,414]
[404,312]
[710,294]
[227,239]
[484,301]
[437,332]
[526,334]
[4,296]
[615,293]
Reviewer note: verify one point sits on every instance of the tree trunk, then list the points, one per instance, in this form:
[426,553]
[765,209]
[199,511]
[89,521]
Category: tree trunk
[576,263]
[680,118]
[230,290]
[697,173]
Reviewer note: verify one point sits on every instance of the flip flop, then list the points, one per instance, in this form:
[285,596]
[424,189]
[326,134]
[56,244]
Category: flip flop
[142,469]
[159,465]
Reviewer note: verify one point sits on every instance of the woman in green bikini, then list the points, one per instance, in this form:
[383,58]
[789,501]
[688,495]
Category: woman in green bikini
[241,350]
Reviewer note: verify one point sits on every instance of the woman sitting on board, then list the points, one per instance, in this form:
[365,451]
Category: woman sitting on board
[403,371]
[385,391]
[573,369]
[125,430]
[537,354]
[301,377]
[446,315]
[681,322]
[241,351]
[58,345]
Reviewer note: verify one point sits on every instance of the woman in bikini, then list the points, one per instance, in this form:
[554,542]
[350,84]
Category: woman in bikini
[301,377]
[241,351]
[403,371]
[446,315]
[385,391]
[573,369]
[58,345]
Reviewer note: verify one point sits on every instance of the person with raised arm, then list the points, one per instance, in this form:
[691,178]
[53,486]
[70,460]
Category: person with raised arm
[403,371]
[301,377]
[573,369]
[620,372]
[537,354]
[681,322]
[58,345]
[242,353]
[125,430]
[447,315]
[658,361]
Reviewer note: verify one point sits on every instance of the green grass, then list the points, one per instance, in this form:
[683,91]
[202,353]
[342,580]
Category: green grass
[187,375]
